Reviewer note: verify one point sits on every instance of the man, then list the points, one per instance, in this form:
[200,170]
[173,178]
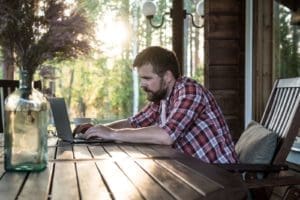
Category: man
[181,112]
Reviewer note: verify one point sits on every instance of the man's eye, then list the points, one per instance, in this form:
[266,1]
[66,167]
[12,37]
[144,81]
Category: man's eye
[146,78]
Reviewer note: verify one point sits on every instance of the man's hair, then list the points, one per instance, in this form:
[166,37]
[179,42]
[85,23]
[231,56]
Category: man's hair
[160,58]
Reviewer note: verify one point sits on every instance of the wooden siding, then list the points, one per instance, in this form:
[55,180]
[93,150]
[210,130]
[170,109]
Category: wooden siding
[262,55]
[224,58]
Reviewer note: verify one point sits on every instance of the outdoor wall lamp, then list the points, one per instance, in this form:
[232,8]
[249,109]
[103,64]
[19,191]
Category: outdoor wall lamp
[295,19]
[149,10]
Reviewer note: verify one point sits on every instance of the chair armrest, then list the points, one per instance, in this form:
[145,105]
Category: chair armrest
[252,167]
[273,182]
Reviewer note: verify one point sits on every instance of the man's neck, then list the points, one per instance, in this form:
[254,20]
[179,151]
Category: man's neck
[170,88]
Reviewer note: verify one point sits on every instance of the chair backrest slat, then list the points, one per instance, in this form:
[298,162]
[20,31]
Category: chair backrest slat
[284,106]
[290,104]
[279,118]
[281,115]
[278,106]
[266,118]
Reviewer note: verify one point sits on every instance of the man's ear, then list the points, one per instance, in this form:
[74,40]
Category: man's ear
[168,76]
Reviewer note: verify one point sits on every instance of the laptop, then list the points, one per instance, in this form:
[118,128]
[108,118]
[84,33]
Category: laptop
[62,123]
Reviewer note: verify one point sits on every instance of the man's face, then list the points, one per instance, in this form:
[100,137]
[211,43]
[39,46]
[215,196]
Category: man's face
[154,86]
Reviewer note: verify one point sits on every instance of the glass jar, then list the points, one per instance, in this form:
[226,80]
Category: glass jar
[25,136]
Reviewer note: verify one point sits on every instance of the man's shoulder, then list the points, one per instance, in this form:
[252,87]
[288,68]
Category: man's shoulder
[186,82]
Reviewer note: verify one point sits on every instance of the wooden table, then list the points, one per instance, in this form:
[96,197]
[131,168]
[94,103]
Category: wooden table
[119,171]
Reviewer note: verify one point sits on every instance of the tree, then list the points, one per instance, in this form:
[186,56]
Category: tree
[40,30]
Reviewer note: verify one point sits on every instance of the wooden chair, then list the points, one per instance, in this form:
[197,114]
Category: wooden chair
[7,87]
[282,117]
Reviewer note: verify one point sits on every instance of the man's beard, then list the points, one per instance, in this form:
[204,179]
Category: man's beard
[159,95]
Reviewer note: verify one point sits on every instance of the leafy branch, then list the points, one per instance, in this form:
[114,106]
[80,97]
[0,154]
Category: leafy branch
[41,30]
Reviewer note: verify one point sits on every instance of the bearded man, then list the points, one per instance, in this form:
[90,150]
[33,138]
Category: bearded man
[181,112]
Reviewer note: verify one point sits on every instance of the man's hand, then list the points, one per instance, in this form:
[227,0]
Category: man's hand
[82,128]
[98,131]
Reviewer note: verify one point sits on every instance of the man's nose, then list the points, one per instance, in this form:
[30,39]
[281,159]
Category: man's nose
[143,84]
[143,87]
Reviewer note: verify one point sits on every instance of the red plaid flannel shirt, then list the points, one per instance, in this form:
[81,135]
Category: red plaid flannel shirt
[194,122]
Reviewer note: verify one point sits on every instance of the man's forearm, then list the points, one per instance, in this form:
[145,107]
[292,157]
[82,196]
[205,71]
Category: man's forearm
[123,123]
[152,135]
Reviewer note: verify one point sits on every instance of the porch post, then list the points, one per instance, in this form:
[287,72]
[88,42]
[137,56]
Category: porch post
[178,15]
[262,55]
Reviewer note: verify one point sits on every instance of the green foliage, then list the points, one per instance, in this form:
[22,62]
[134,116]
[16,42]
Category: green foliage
[37,31]
[121,91]
[104,91]
[199,75]
[102,86]
[289,58]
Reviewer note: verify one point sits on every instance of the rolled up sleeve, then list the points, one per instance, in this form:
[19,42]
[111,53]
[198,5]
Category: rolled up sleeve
[146,117]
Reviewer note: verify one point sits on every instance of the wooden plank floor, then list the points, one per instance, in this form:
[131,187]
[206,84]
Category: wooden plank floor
[119,171]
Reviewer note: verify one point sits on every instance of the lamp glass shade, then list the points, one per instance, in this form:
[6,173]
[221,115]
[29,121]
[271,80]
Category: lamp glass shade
[295,19]
[200,8]
[149,8]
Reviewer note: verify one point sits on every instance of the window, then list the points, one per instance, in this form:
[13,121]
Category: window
[286,43]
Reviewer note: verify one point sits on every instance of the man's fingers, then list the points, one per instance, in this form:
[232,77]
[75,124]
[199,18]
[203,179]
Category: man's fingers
[91,135]
[76,130]
[90,131]
[82,128]
[85,127]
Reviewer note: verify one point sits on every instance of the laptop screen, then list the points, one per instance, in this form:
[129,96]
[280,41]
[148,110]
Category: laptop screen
[61,118]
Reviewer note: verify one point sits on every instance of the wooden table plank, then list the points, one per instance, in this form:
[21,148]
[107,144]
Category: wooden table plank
[175,186]
[52,141]
[115,152]
[90,182]
[132,151]
[10,184]
[234,187]
[1,170]
[98,152]
[146,185]
[51,153]
[167,151]
[1,139]
[64,184]
[197,181]
[1,148]
[218,174]
[119,185]
[81,152]
[64,152]
[148,150]
[1,155]
[37,184]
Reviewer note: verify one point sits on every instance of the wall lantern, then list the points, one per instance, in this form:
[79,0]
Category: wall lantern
[295,19]
[149,10]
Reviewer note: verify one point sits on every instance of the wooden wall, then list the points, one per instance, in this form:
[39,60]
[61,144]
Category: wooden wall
[224,58]
[263,74]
